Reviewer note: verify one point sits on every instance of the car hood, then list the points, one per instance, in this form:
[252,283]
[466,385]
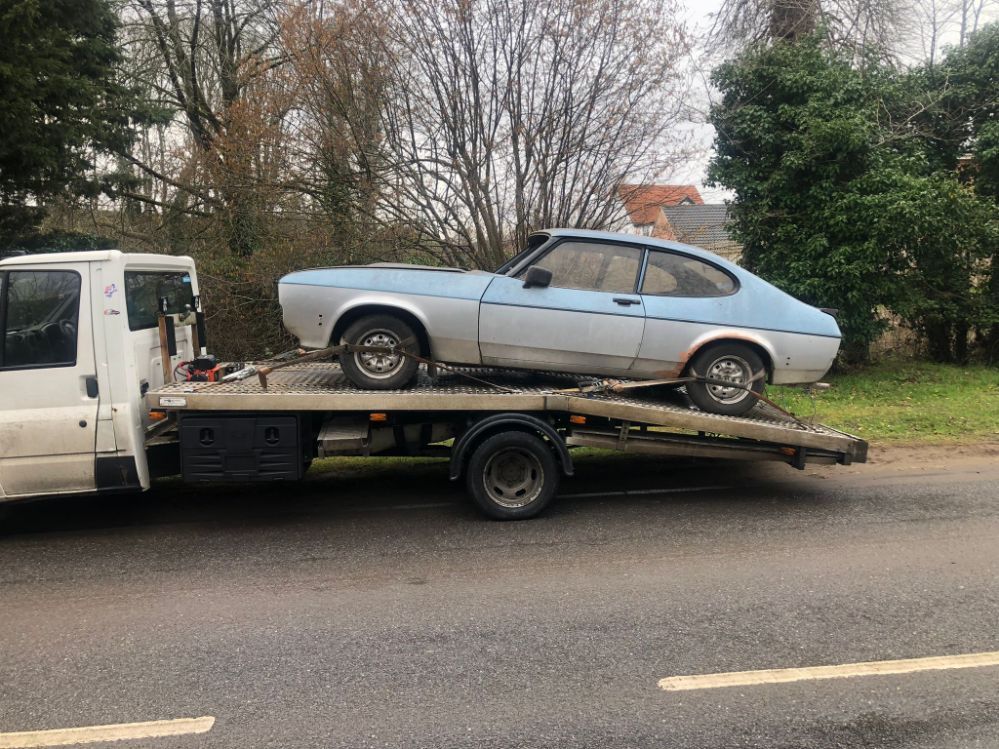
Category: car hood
[396,278]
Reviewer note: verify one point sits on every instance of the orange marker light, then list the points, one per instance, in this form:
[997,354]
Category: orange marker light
[157,415]
[574,419]
[378,417]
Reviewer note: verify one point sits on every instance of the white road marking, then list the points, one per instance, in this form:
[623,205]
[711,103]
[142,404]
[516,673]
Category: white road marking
[843,671]
[114,732]
[637,492]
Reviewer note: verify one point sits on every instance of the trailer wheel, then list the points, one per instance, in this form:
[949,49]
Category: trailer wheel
[512,476]
[379,371]
[734,362]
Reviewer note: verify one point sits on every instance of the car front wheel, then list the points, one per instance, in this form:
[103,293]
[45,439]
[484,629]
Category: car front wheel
[386,369]
[732,363]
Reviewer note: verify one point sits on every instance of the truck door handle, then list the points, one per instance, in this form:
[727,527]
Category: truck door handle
[91,385]
[625,301]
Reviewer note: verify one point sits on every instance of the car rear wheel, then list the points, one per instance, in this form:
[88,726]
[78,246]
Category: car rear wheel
[380,370]
[728,362]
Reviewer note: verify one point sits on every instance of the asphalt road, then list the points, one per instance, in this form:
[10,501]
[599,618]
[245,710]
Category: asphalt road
[356,612]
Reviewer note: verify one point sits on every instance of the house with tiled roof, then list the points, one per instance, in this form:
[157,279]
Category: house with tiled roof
[643,203]
[701,225]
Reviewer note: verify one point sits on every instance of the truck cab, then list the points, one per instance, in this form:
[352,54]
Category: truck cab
[79,347]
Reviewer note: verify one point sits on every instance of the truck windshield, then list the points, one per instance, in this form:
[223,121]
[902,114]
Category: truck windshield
[147,293]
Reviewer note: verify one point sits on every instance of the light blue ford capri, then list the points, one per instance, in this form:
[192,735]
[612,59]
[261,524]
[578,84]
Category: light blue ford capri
[588,302]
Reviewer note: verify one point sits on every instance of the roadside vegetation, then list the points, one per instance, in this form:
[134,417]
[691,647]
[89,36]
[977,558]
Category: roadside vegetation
[905,401]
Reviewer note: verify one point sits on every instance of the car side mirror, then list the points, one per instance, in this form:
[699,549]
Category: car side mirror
[537,276]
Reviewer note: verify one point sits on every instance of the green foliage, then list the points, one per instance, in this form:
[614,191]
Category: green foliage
[965,119]
[965,128]
[842,200]
[61,241]
[904,401]
[62,104]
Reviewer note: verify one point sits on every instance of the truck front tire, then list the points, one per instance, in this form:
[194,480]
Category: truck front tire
[512,475]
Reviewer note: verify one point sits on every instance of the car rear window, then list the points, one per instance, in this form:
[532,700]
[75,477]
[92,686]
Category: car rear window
[672,274]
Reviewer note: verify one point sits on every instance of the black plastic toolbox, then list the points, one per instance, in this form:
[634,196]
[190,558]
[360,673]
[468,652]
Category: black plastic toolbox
[223,447]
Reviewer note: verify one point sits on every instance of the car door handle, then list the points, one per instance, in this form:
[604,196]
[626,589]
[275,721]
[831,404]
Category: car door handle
[91,385]
[625,301]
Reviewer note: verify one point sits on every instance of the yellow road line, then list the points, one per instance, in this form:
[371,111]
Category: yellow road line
[115,732]
[843,671]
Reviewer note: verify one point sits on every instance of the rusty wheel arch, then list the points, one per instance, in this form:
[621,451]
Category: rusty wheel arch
[356,313]
[761,351]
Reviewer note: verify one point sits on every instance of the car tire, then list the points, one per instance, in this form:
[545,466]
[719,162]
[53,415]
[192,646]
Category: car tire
[512,476]
[727,361]
[380,371]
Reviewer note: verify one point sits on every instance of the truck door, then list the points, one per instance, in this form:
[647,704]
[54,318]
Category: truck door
[48,384]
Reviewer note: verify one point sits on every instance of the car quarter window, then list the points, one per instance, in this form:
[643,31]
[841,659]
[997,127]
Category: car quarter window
[672,274]
[593,266]
[42,309]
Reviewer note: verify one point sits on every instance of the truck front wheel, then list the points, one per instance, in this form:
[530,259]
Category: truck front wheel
[512,475]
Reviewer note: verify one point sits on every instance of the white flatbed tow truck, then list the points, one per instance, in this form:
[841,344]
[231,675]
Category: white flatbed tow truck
[91,401]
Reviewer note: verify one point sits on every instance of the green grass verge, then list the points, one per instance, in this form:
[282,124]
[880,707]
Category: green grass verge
[903,401]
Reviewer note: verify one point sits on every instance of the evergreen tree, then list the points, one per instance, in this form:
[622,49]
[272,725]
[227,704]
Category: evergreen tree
[62,106]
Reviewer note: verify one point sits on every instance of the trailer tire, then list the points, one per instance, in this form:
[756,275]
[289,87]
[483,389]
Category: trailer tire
[512,475]
[734,361]
[380,371]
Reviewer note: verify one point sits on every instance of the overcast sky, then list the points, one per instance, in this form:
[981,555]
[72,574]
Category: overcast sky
[698,14]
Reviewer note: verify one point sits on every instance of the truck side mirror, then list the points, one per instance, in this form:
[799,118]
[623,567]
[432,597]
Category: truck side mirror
[537,276]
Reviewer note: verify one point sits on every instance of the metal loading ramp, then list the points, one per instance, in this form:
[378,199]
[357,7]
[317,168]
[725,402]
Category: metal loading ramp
[642,420]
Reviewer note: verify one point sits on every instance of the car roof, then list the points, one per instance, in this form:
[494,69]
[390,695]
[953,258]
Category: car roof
[664,244]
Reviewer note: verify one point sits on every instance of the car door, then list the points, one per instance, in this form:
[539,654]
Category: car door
[48,388]
[588,319]
[684,298]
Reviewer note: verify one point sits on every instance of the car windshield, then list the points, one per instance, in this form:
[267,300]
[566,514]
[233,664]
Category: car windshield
[533,242]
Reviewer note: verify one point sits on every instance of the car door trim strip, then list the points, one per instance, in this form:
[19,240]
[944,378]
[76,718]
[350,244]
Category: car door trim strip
[664,319]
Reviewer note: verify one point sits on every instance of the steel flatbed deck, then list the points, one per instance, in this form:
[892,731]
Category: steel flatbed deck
[675,428]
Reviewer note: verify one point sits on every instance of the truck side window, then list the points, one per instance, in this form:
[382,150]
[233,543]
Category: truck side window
[40,321]
[144,292]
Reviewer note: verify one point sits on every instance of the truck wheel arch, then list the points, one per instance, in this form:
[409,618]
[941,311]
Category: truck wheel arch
[506,422]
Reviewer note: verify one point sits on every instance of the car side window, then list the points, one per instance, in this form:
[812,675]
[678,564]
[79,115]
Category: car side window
[593,266]
[672,274]
[41,315]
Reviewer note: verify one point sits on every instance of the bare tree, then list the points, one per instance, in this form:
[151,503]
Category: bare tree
[936,24]
[334,128]
[201,60]
[856,25]
[511,115]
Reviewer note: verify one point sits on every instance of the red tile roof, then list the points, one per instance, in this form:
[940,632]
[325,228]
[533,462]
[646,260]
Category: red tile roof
[644,201]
